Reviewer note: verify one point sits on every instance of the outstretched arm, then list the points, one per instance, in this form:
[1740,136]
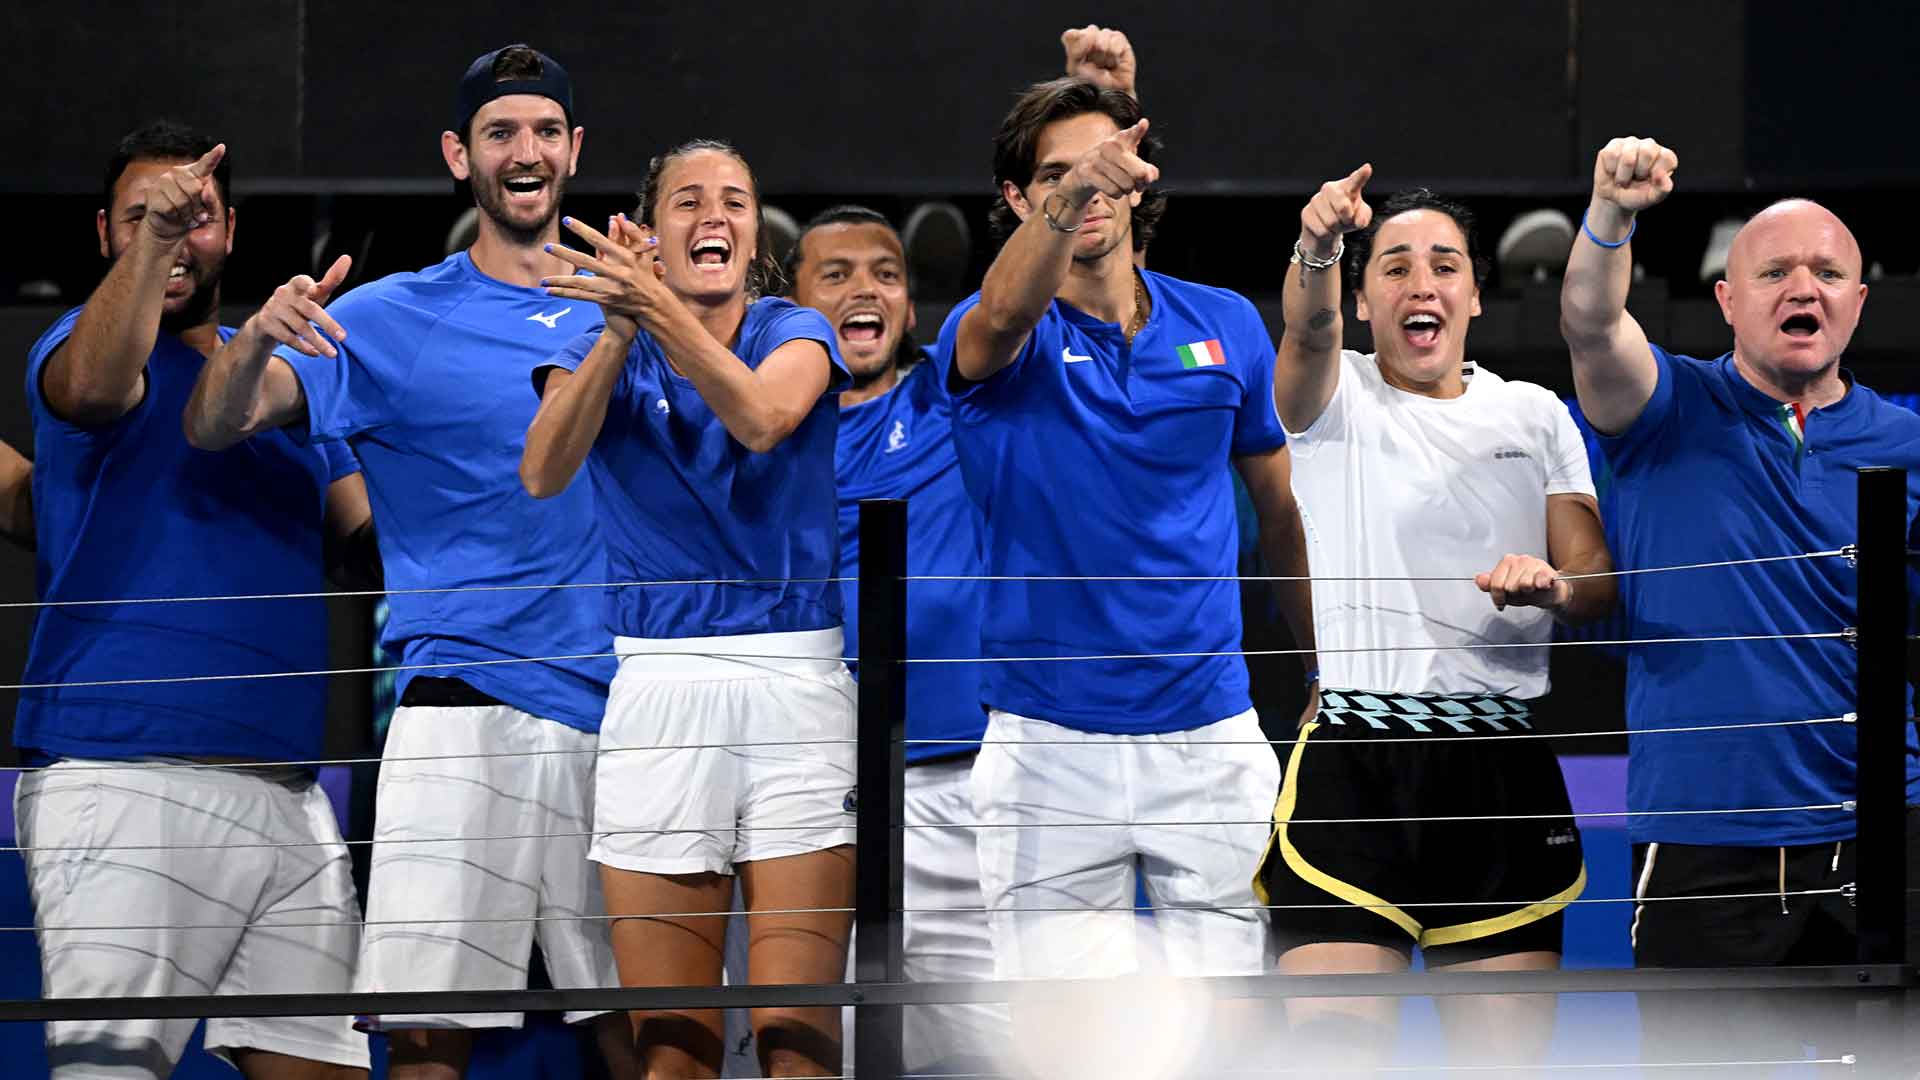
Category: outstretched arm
[1306,370]
[98,374]
[244,388]
[1033,264]
[1614,372]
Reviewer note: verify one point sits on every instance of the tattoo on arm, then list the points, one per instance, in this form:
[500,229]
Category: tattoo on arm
[1321,319]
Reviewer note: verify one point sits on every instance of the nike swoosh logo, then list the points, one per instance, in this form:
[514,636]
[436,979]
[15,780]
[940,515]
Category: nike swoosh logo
[546,320]
[1067,356]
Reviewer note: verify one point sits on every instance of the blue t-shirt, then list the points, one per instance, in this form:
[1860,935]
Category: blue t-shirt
[130,510]
[681,499]
[1710,471]
[431,392]
[900,446]
[1089,457]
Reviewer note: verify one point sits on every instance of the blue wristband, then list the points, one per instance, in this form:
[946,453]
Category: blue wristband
[1609,245]
[1313,676]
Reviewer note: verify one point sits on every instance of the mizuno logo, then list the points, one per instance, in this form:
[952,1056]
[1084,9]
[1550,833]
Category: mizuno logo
[1067,356]
[548,320]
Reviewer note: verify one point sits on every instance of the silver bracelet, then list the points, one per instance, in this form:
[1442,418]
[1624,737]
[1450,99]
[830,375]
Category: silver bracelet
[1048,216]
[1309,262]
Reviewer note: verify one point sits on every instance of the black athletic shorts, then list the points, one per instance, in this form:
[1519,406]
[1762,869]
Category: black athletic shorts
[1461,890]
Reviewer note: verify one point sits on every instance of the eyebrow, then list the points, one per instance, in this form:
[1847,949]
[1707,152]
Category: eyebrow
[730,189]
[1406,249]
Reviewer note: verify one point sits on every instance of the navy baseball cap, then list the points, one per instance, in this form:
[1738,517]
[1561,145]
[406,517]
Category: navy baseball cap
[478,86]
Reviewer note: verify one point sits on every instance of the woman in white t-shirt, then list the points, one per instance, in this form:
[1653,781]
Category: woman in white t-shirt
[1410,463]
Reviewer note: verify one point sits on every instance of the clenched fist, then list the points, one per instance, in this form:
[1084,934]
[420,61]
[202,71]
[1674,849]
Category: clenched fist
[1633,173]
[1102,56]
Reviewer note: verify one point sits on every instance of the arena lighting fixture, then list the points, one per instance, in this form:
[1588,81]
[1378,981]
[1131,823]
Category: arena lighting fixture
[1534,248]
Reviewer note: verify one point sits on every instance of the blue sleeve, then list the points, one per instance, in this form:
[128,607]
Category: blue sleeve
[804,324]
[574,353]
[359,390]
[1256,427]
[1674,390]
[340,460]
[966,390]
[43,349]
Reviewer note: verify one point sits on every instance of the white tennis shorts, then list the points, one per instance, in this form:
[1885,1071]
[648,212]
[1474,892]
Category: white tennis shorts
[245,888]
[725,750]
[1068,815]
[477,851]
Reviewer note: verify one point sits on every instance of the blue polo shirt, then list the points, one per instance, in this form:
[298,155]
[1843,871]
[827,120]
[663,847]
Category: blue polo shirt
[680,499]
[430,390]
[1711,471]
[900,446]
[1089,457]
[130,510]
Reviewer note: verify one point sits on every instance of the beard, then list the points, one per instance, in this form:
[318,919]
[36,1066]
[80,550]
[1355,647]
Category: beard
[492,201]
[198,309]
[202,303]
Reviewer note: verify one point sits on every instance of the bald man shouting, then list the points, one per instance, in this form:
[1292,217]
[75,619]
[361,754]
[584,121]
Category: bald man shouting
[1747,455]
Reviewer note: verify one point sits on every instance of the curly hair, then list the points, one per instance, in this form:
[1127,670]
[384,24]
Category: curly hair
[763,274]
[1018,140]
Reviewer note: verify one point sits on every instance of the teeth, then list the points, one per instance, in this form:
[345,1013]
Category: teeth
[864,320]
[176,273]
[715,244]
[1421,322]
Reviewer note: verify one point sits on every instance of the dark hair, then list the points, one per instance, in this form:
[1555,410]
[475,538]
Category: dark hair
[1018,140]
[844,214]
[763,275]
[165,140]
[849,214]
[1360,244]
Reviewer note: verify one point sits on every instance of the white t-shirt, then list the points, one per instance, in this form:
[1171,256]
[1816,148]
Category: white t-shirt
[1393,484]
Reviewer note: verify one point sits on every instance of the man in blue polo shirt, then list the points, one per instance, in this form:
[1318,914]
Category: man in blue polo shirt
[428,384]
[1746,456]
[181,803]
[896,442]
[1097,409]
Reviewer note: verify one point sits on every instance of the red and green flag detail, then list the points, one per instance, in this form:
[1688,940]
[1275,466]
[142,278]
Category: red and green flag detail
[1795,421]
[1202,354]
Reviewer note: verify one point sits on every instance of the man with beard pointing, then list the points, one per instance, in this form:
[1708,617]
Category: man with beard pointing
[427,381]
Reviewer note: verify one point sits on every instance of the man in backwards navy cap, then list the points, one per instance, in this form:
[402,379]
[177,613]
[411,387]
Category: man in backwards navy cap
[428,384]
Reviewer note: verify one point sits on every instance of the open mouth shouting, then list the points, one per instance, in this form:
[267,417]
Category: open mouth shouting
[711,254]
[180,278]
[863,328]
[524,190]
[1422,329]
[1801,325]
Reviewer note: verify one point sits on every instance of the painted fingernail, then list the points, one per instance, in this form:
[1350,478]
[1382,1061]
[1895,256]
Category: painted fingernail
[549,248]
[566,221]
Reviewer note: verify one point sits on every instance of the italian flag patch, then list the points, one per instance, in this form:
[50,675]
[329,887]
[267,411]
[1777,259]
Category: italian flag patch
[1202,354]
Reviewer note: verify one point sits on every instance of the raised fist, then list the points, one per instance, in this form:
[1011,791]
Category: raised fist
[183,198]
[1112,167]
[1634,173]
[1335,210]
[1102,56]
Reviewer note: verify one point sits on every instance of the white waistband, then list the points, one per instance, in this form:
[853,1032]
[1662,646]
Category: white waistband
[739,656]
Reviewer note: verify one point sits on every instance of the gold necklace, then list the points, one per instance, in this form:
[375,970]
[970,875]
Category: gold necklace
[1139,319]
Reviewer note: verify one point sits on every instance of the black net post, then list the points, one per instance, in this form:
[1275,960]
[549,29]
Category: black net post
[1881,786]
[879,949]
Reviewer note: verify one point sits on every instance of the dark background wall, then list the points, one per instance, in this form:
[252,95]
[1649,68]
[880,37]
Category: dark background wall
[333,111]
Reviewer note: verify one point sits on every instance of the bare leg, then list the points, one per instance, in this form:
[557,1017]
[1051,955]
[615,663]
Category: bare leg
[800,948]
[1500,1029]
[613,1033]
[678,1044]
[266,1065]
[428,1053]
[1343,1033]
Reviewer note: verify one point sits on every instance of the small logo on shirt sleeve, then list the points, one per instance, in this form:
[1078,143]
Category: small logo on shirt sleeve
[547,320]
